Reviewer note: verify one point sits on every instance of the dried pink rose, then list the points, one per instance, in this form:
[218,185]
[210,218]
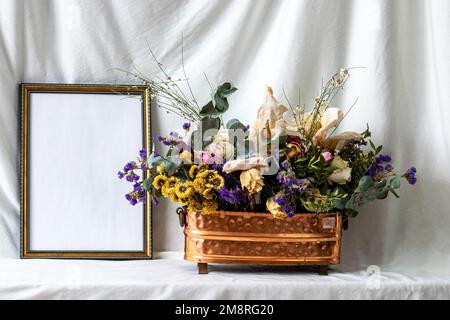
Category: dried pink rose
[214,154]
[327,155]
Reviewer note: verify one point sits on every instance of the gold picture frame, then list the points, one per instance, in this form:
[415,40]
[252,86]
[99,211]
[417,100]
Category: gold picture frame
[127,91]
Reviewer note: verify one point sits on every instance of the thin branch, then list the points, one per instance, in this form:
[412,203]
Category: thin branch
[292,110]
[164,71]
[209,82]
[184,72]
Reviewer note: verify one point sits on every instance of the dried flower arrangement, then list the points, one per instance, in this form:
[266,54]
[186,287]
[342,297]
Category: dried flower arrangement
[289,161]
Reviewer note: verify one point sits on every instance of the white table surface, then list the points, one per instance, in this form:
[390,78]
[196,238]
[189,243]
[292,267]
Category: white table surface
[170,277]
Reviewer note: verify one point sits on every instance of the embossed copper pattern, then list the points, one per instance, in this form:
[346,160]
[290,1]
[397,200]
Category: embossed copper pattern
[258,238]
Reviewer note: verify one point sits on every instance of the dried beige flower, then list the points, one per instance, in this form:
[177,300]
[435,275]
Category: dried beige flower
[275,209]
[343,173]
[270,116]
[252,181]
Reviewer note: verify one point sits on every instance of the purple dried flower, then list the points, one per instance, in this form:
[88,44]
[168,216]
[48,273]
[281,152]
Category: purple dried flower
[280,200]
[374,169]
[410,175]
[285,204]
[285,165]
[120,174]
[143,154]
[132,177]
[289,182]
[412,171]
[129,166]
[383,158]
[232,196]
[280,177]
[186,126]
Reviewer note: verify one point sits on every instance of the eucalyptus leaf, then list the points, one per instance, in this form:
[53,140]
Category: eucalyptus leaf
[196,140]
[381,184]
[210,123]
[171,164]
[383,194]
[345,223]
[220,101]
[209,128]
[365,183]
[147,184]
[208,109]
[339,204]
[350,204]
[368,195]
[351,213]
[235,124]
[153,160]
[395,182]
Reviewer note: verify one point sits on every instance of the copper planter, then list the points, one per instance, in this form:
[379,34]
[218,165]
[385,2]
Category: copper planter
[258,238]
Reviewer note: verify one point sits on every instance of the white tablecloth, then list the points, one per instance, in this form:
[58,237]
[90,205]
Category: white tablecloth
[170,277]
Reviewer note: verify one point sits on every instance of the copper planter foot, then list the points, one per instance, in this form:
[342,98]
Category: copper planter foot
[323,270]
[202,268]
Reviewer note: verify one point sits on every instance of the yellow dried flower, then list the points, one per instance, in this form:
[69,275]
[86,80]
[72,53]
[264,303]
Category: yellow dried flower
[196,169]
[194,206]
[212,179]
[210,207]
[184,190]
[174,197]
[207,174]
[217,182]
[169,186]
[199,184]
[159,181]
[208,193]
[165,192]
[184,201]
[193,171]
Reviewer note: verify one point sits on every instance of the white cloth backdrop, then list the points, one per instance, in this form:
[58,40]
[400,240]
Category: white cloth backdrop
[403,90]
